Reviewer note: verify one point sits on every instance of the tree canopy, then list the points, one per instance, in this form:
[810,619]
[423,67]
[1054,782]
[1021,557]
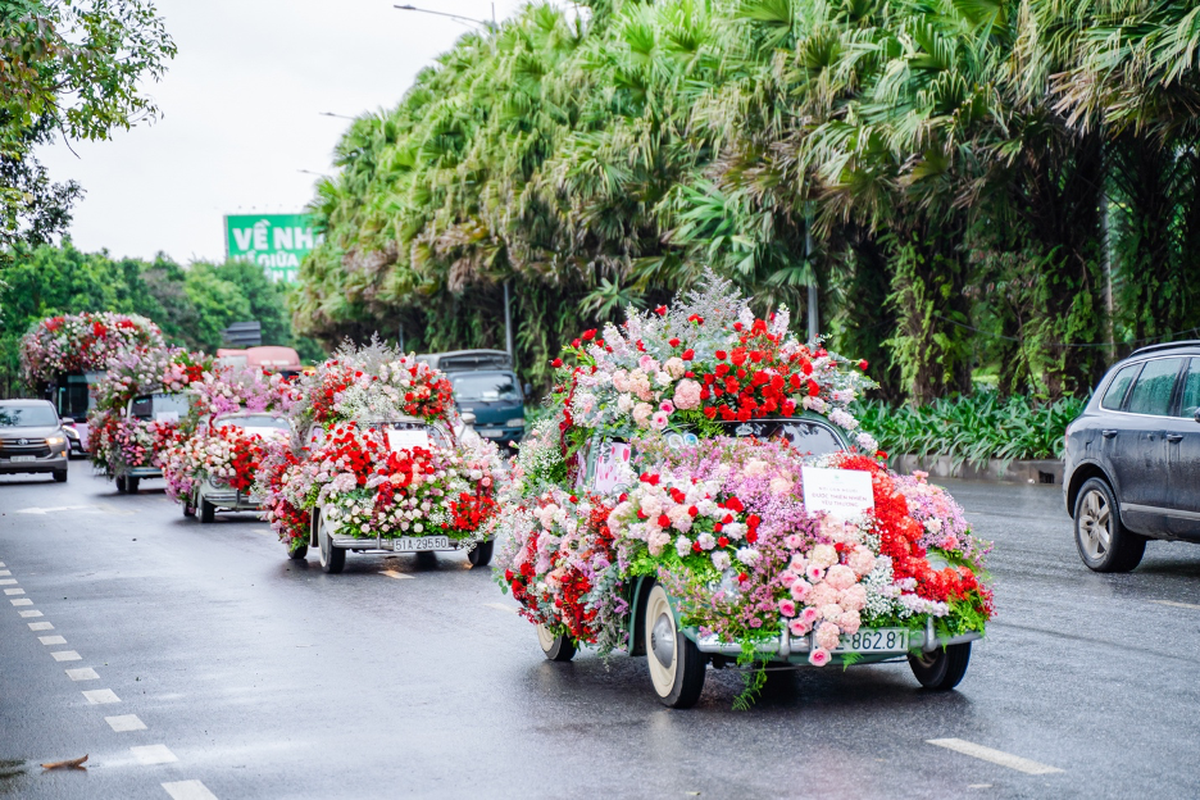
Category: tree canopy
[1004,189]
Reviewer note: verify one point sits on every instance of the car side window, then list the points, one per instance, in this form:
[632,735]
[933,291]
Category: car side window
[1118,388]
[1152,392]
[1191,390]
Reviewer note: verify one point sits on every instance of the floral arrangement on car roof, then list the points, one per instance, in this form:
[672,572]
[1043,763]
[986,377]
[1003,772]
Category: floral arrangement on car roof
[120,441]
[82,343]
[371,481]
[721,521]
[224,451]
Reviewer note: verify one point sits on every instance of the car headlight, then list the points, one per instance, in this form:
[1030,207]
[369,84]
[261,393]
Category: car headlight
[217,483]
[53,440]
[515,422]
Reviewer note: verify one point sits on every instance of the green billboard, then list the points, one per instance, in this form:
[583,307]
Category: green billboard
[276,242]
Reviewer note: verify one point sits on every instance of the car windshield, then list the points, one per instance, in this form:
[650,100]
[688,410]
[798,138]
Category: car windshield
[33,416]
[485,386]
[254,421]
[160,407]
[403,435]
[808,436]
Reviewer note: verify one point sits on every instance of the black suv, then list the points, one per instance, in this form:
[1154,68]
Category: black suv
[1132,468]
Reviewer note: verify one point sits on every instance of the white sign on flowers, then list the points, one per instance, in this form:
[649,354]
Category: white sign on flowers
[841,493]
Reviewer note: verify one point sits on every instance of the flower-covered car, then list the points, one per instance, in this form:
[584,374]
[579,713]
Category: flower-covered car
[140,406]
[62,355]
[240,414]
[703,495]
[380,462]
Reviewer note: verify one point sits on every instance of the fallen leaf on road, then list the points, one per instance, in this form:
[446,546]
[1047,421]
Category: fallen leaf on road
[72,763]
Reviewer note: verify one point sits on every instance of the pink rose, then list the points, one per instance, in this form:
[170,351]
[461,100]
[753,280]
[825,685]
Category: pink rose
[687,394]
[659,420]
[819,657]
[809,616]
[800,590]
[787,608]
[799,627]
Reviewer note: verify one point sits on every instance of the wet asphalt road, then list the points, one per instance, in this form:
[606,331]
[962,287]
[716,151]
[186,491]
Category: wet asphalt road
[258,677]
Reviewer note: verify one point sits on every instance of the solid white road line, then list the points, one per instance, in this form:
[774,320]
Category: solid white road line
[67,655]
[994,756]
[1192,606]
[188,790]
[125,722]
[153,754]
[101,697]
[49,639]
[40,626]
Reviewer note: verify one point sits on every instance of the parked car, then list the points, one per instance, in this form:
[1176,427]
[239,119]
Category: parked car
[486,389]
[32,439]
[1132,465]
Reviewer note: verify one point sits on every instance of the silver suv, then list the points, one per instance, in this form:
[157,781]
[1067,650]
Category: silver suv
[32,439]
[1132,469]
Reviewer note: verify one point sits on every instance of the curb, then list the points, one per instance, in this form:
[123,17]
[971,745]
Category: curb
[1043,471]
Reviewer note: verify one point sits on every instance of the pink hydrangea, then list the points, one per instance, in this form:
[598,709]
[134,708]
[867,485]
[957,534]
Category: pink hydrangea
[687,395]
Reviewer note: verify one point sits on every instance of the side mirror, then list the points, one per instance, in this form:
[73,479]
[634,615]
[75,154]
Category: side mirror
[1196,416]
[468,418]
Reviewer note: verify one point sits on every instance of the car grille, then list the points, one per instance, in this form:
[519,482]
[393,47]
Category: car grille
[32,447]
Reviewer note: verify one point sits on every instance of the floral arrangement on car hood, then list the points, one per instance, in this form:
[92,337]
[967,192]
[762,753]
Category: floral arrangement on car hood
[82,343]
[721,522]
[227,452]
[121,441]
[371,481]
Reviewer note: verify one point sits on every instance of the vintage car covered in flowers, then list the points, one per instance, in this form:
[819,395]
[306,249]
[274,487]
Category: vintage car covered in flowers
[702,495]
[240,414]
[380,462]
[62,356]
[141,408]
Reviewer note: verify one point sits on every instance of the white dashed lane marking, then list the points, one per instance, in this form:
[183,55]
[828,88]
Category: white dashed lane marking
[400,576]
[125,722]
[501,607]
[83,674]
[100,697]
[188,790]
[28,614]
[12,592]
[1176,605]
[67,655]
[21,601]
[994,756]
[40,626]
[153,754]
[49,639]
[7,581]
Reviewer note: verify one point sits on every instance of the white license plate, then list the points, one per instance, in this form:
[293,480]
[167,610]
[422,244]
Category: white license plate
[491,433]
[414,544]
[23,458]
[875,640]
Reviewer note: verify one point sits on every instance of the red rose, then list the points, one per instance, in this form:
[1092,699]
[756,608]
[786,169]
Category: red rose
[661,311]
[688,355]
[556,363]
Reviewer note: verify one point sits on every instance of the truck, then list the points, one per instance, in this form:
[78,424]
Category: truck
[485,386]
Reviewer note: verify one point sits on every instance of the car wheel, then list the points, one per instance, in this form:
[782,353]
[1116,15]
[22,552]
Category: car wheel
[676,664]
[333,559]
[131,484]
[120,484]
[481,554]
[1104,543]
[942,669]
[299,554]
[208,512]
[60,475]
[556,648]
[189,505]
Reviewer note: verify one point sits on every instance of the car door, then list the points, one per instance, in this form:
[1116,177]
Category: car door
[1183,458]
[1137,446]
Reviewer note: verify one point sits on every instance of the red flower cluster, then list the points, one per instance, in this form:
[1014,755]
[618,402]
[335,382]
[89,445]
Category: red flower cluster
[755,379]
[899,537]
[470,511]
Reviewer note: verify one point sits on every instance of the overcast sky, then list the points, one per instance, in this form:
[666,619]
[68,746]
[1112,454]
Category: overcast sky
[242,105]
